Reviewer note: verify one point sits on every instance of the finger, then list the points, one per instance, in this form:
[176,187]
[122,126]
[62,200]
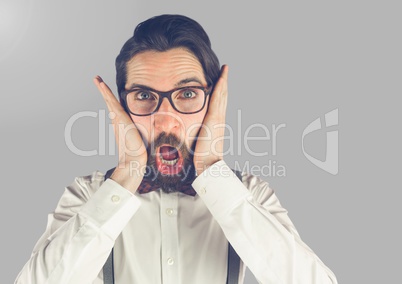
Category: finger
[219,96]
[224,73]
[222,81]
[105,91]
[111,102]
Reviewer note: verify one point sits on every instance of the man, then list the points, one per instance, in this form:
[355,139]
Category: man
[171,205]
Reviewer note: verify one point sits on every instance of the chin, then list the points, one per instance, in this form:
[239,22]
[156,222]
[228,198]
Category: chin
[170,163]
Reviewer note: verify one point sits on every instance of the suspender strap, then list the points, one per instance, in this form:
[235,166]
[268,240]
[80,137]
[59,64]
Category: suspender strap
[108,268]
[233,258]
[108,273]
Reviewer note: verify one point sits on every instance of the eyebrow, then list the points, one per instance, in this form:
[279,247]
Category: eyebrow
[178,84]
[188,80]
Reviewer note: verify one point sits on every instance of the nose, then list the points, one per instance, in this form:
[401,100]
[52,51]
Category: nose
[166,118]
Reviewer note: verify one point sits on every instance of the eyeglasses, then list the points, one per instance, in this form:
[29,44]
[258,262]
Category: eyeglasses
[146,101]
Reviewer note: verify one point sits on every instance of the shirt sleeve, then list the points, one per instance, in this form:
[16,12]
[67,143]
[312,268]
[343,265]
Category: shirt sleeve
[258,228]
[80,233]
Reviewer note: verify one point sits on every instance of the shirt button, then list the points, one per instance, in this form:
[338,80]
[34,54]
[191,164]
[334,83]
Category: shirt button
[170,261]
[203,190]
[115,199]
[169,211]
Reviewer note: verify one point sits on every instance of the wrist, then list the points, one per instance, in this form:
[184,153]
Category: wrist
[128,178]
[200,167]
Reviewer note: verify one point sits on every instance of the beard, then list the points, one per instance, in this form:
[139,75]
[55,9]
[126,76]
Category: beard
[170,182]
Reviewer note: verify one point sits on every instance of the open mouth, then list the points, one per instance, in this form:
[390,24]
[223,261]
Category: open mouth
[169,160]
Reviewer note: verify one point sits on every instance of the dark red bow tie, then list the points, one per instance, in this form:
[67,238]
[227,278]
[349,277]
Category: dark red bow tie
[148,186]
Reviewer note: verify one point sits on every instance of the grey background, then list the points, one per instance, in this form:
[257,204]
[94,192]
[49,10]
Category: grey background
[290,62]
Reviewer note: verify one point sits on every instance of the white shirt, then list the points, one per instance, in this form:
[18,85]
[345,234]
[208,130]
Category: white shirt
[172,238]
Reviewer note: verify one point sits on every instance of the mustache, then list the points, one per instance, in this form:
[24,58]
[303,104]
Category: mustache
[170,139]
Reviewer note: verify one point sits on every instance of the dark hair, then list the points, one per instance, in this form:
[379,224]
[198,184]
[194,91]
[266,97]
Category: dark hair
[162,33]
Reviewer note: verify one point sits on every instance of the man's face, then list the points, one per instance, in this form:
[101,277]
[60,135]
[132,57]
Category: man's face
[167,130]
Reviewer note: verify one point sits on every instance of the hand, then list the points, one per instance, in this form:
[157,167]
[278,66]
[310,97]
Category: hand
[209,145]
[131,148]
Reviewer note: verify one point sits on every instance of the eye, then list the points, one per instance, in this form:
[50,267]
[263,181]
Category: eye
[188,94]
[143,95]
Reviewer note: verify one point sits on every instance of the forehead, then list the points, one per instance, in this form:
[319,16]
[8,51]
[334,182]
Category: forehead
[164,70]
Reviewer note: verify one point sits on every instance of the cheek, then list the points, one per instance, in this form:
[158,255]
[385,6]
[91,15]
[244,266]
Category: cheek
[143,125]
[193,126]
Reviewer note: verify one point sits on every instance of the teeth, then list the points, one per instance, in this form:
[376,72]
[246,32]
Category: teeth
[169,162]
